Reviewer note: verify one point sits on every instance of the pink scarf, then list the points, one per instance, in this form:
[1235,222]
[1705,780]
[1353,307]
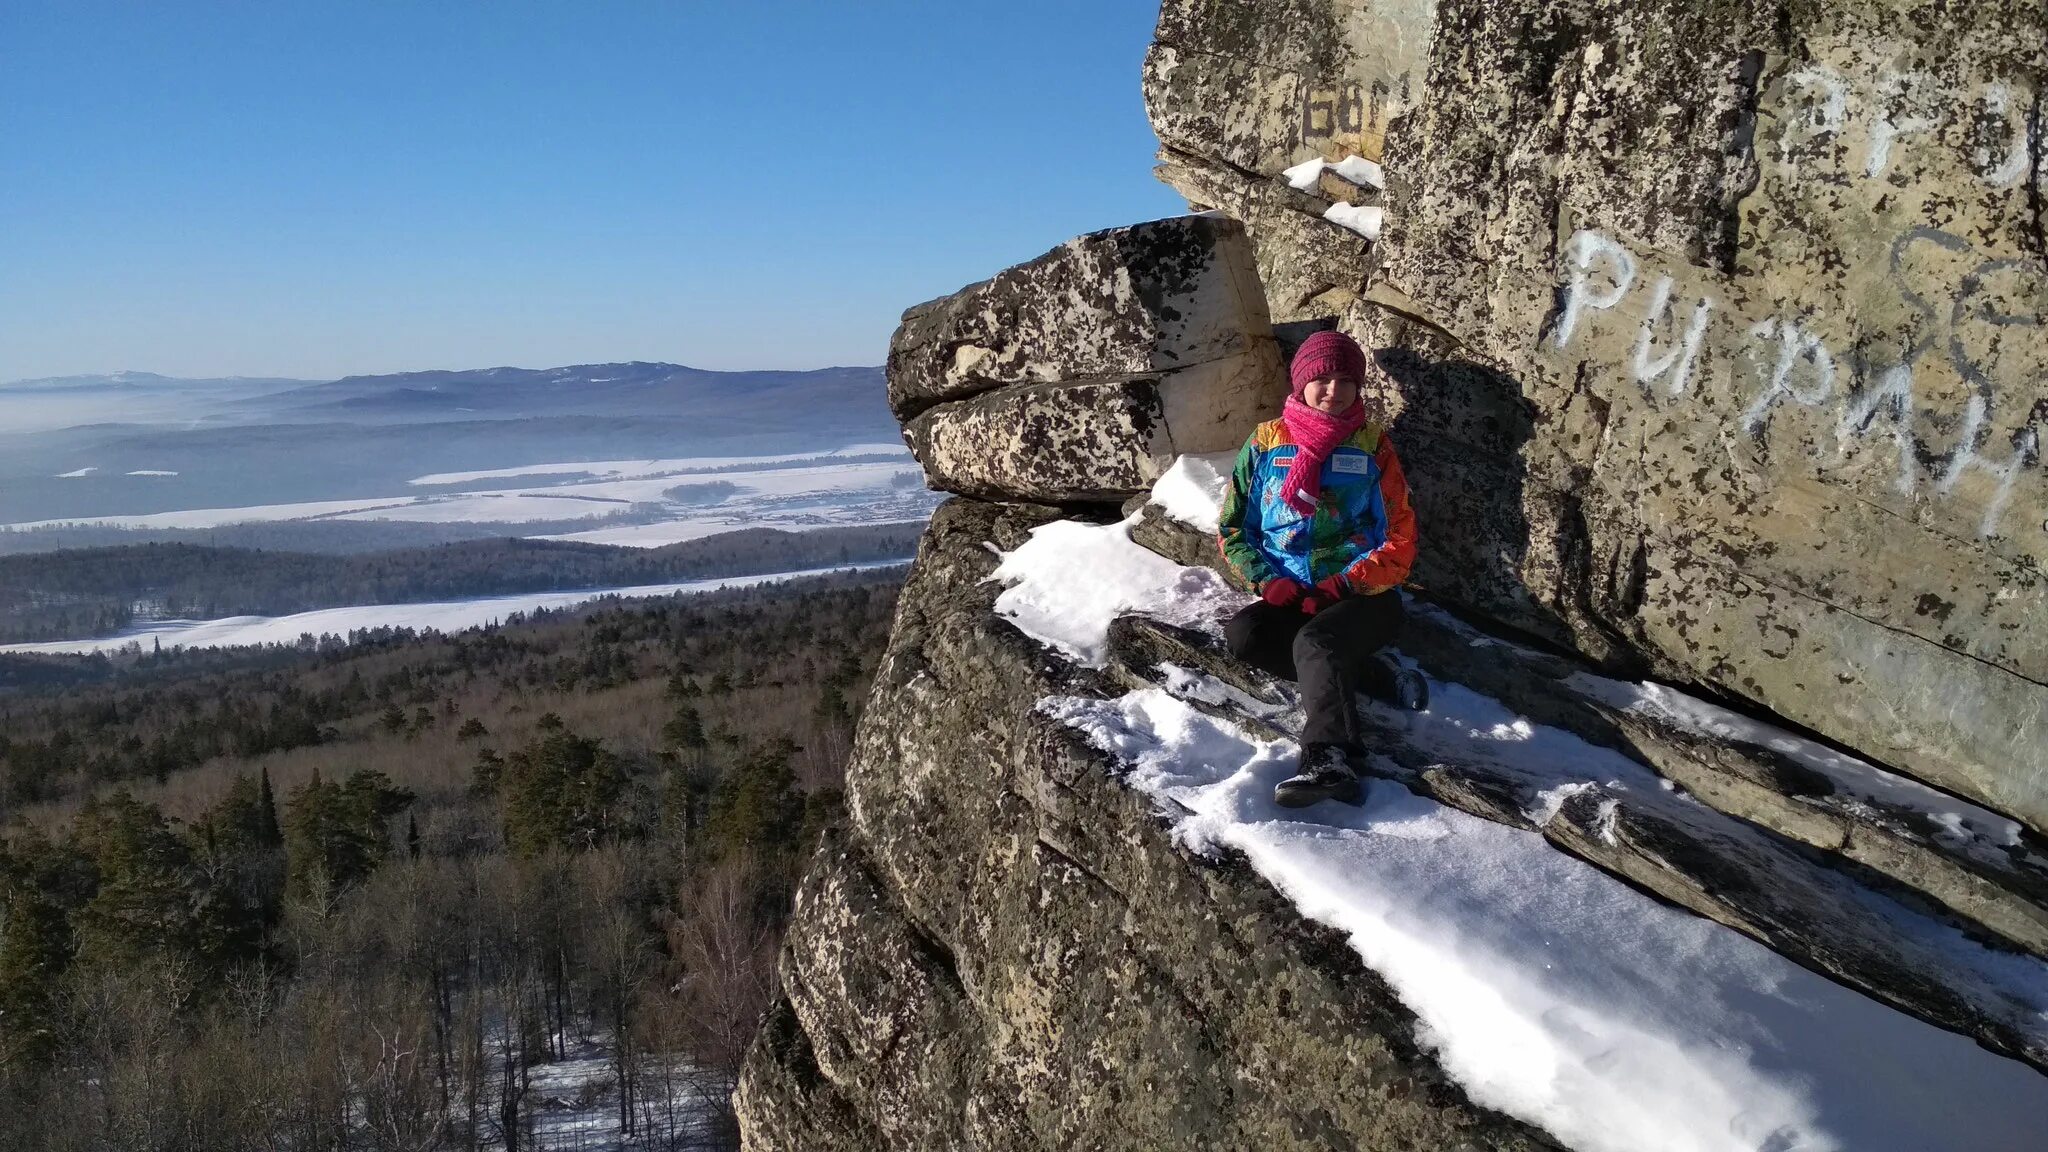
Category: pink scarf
[1317,434]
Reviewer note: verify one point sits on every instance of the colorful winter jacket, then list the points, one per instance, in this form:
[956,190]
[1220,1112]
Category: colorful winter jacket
[1363,527]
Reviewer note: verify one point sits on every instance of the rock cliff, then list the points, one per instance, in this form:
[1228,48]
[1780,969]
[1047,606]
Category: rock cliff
[1717,328]
[1713,332]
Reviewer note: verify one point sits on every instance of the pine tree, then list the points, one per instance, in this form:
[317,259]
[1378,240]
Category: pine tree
[271,836]
[685,730]
[41,884]
[561,792]
[241,867]
[756,806]
[337,834]
[147,894]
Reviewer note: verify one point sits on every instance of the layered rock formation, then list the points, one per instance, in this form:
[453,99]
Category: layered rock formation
[1718,328]
[1081,375]
[1714,338]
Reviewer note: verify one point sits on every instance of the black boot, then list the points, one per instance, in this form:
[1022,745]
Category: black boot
[1325,774]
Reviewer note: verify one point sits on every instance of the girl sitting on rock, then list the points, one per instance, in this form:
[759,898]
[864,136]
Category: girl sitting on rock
[1317,520]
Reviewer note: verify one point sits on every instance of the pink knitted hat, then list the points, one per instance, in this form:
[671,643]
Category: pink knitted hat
[1326,354]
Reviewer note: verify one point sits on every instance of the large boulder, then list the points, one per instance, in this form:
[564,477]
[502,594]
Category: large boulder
[1718,329]
[1079,376]
[1090,442]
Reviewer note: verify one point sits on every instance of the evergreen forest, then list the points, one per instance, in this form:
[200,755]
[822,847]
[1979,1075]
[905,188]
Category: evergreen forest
[514,888]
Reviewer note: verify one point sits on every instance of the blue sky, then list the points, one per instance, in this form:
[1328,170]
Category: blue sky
[302,189]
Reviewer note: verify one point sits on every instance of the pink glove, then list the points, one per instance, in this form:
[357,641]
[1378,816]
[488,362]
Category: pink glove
[1281,591]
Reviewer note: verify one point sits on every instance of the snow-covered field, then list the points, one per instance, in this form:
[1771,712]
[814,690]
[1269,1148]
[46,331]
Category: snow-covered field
[660,501]
[1549,989]
[574,1102]
[440,616]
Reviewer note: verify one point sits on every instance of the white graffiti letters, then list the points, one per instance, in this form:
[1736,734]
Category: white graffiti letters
[1828,113]
[1891,393]
[1969,328]
[1894,122]
[2026,448]
[1794,344]
[1580,253]
[1822,115]
[1677,362]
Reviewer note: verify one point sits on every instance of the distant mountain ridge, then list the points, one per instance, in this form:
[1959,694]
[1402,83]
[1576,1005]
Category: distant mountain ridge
[69,444]
[628,388]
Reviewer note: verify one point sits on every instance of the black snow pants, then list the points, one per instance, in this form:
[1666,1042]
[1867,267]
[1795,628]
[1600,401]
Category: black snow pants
[1330,654]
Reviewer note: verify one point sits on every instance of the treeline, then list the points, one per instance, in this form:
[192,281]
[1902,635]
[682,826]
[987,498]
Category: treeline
[491,852]
[99,591]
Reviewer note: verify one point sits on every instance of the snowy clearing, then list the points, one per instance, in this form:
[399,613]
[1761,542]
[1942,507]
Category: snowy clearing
[574,1107]
[1549,989]
[679,531]
[833,485]
[439,616]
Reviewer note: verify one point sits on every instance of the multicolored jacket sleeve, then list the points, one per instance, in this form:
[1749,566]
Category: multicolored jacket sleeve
[1238,523]
[1387,565]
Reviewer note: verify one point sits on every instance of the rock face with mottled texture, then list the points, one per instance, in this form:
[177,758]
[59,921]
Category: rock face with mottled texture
[1717,328]
[1079,376]
[1007,950]
[1713,335]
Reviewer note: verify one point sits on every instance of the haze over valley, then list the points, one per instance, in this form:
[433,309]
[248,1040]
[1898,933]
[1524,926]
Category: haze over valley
[588,464]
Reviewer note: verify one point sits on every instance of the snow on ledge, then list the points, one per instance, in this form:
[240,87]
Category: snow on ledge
[1957,822]
[1548,989]
[1363,220]
[1556,993]
[1360,171]
[1192,489]
[1304,176]
[1069,580]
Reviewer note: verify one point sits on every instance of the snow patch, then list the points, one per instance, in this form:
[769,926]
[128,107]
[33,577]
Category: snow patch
[1069,580]
[1363,220]
[1550,802]
[1958,822]
[151,472]
[1360,171]
[1560,995]
[76,473]
[1303,176]
[1192,490]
